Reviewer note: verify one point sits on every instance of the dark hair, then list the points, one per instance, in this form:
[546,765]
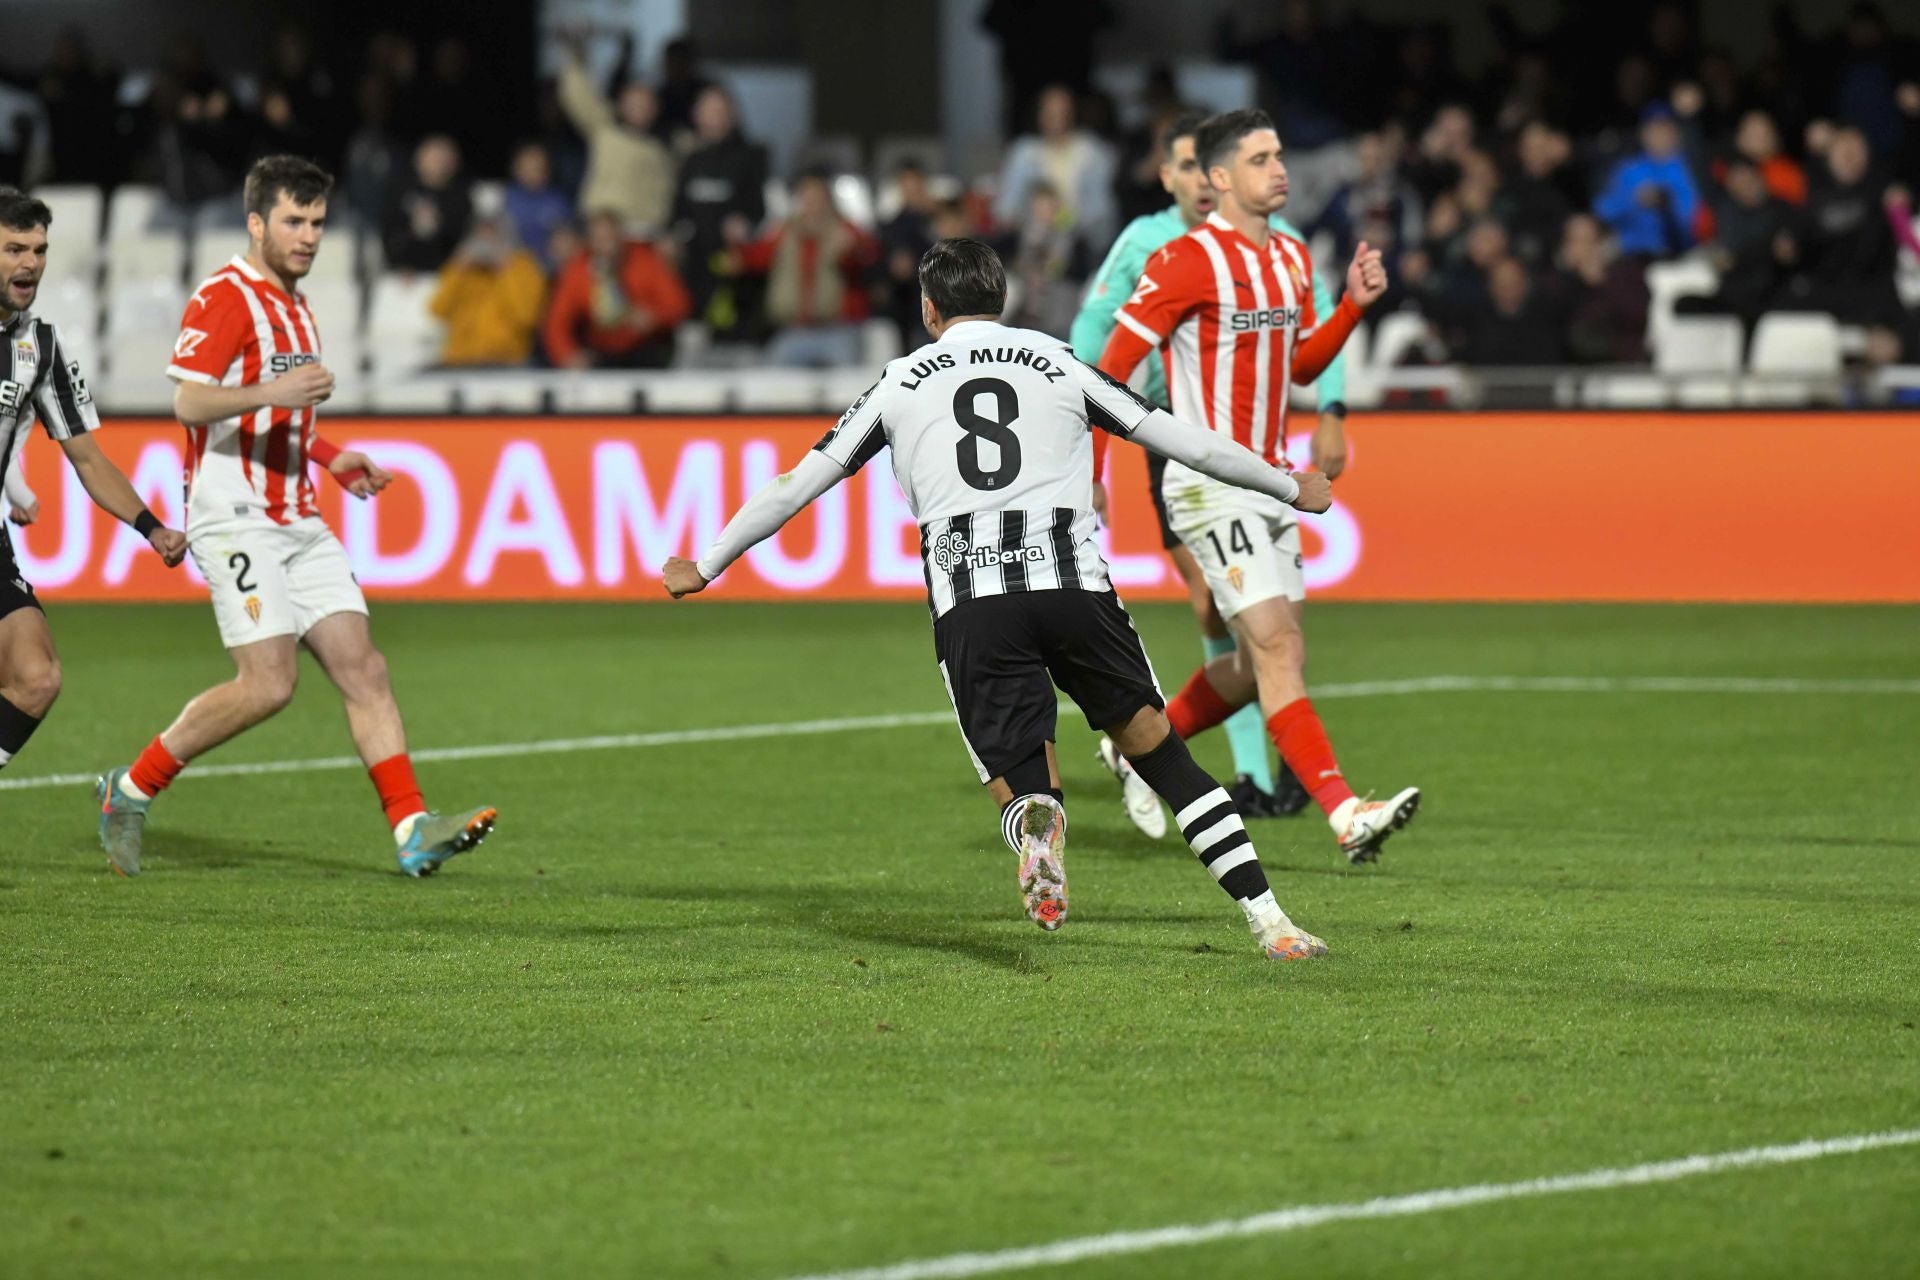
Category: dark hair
[301,181]
[1219,135]
[963,277]
[21,211]
[1185,125]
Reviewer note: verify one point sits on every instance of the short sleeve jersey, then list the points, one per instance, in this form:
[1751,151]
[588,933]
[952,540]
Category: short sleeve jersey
[1227,316]
[39,380]
[242,330]
[990,431]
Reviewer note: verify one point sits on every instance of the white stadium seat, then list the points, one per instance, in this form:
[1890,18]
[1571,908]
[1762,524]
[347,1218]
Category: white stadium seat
[1667,283]
[1699,345]
[402,336]
[1797,357]
[132,211]
[154,256]
[74,237]
[143,319]
[1806,343]
[212,250]
[879,343]
[74,307]
[854,198]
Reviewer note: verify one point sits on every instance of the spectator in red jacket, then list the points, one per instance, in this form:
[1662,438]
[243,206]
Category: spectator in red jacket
[814,263]
[616,304]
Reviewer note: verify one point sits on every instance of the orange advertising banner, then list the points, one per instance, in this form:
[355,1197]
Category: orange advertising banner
[1433,507]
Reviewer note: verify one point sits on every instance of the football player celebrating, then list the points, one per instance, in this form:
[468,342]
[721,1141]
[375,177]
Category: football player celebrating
[1255,792]
[990,431]
[1230,309]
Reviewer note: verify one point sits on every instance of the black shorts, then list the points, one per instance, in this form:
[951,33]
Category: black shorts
[1002,656]
[15,591]
[1156,472]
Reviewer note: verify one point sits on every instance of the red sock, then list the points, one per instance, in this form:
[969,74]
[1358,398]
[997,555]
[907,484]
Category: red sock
[155,770]
[1198,707]
[1296,730]
[399,793]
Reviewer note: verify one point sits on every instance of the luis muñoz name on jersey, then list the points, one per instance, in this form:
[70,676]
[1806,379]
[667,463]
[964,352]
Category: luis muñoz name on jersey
[1271,318]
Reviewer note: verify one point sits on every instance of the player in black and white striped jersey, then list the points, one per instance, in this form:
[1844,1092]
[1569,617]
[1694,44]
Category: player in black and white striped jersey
[990,432]
[37,380]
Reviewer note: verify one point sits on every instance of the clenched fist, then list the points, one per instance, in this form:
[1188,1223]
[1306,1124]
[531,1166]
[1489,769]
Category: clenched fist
[300,388]
[1316,492]
[682,578]
[1367,276]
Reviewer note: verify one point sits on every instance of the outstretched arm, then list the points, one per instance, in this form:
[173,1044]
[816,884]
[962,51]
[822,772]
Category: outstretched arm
[1114,408]
[762,517]
[1216,455]
[855,440]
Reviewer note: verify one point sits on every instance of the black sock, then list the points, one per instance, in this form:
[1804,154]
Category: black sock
[16,726]
[1205,816]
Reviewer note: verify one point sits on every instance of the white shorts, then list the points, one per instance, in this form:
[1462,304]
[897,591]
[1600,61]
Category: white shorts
[272,580]
[1248,544]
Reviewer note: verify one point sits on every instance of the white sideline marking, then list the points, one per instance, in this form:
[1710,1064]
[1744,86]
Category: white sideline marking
[1312,1215]
[911,719]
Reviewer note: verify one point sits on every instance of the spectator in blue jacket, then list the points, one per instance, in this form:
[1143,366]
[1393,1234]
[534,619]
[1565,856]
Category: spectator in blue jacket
[1650,200]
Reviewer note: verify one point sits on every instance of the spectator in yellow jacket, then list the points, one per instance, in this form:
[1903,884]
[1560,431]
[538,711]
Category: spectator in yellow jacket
[491,296]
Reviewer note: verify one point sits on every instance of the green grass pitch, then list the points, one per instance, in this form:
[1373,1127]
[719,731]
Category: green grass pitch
[765,1007]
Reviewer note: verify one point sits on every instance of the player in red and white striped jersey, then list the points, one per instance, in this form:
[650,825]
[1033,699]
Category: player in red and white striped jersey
[1230,305]
[248,378]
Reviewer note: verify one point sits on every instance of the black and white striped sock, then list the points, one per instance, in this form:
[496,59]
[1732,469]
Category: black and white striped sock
[1208,821]
[1014,809]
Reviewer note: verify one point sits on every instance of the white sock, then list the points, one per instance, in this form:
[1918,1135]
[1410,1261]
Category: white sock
[128,789]
[1264,913]
[1342,815]
[405,829]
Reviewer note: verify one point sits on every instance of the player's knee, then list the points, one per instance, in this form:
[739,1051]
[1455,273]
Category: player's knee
[269,691]
[369,677]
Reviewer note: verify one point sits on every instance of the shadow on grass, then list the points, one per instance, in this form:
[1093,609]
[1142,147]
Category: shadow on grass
[170,852]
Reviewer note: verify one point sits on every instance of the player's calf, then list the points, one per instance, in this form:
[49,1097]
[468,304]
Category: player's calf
[1214,831]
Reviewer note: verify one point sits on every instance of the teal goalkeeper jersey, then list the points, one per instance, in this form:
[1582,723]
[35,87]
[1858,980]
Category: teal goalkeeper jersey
[1113,283]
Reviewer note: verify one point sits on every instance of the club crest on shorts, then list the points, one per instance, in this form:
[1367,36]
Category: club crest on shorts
[1237,576]
[253,608]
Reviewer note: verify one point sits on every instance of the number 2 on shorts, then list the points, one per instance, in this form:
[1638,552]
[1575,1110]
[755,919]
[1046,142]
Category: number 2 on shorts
[244,563]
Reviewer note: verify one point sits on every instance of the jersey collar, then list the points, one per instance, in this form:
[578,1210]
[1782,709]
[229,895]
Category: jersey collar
[1219,223]
[245,268]
[967,327]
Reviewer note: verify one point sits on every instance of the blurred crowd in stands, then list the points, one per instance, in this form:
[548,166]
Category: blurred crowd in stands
[1519,211]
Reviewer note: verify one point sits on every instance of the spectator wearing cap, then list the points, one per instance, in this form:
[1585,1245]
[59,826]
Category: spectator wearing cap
[490,295]
[1650,199]
[616,304]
